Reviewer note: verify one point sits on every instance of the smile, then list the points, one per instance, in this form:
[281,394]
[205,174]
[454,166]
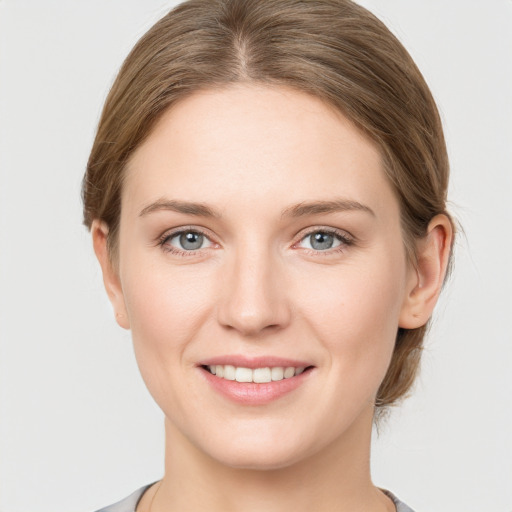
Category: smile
[256,375]
[255,381]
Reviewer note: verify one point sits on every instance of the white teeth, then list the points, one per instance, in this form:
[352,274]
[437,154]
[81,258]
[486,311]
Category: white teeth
[261,375]
[289,372]
[258,375]
[277,373]
[243,375]
[229,372]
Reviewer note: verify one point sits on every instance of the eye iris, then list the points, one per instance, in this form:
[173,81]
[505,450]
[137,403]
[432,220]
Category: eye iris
[191,241]
[321,241]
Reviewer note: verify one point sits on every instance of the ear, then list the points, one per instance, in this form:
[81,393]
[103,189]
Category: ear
[99,232]
[427,276]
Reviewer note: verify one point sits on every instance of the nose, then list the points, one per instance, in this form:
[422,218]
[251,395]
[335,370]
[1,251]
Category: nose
[254,295]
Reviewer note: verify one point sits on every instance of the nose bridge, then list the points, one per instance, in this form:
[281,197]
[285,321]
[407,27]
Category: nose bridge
[254,298]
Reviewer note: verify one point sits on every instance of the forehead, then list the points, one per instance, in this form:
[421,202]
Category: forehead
[244,144]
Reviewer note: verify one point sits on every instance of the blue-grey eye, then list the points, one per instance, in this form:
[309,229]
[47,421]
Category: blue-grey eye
[189,241]
[321,241]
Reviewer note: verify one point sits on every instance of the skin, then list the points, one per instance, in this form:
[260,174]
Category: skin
[257,287]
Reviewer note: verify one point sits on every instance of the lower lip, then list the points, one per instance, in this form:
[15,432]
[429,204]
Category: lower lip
[250,393]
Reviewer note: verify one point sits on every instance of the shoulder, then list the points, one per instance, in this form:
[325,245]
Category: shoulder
[129,504]
[400,506]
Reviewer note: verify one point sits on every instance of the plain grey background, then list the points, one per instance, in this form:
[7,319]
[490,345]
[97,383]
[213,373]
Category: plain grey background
[78,430]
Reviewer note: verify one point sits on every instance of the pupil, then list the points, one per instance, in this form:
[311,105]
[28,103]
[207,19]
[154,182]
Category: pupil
[321,241]
[191,241]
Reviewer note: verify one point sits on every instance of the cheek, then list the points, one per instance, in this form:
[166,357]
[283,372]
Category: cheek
[166,310]
[166,306]
[167,303]
[354,312]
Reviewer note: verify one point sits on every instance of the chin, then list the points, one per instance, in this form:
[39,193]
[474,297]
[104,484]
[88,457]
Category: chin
[258,451]
[257,460]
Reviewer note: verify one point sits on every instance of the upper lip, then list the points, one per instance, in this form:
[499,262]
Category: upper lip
[242,361]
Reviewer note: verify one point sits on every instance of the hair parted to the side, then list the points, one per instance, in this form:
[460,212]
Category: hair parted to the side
[333,49]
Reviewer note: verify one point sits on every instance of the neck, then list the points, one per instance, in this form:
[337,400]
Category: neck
[337,478]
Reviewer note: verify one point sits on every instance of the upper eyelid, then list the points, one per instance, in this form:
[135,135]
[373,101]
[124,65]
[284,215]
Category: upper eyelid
[342,233]
[170,233]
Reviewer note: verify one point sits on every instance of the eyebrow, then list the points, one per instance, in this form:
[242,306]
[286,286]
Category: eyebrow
[186,207]
[294,211]
[319,207]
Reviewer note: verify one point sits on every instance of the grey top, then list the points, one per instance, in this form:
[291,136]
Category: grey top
[129,504]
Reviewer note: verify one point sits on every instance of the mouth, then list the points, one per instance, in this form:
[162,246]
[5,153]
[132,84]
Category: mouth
[261,375]
[255,381]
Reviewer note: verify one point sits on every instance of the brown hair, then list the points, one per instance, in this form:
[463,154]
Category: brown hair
[333,49]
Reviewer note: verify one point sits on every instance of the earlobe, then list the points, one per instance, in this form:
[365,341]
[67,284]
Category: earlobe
[111,281]
[427,277]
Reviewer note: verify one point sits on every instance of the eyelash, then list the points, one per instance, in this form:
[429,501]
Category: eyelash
[162,241]
[344,239]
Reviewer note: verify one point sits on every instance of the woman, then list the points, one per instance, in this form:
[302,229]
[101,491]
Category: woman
[266,196]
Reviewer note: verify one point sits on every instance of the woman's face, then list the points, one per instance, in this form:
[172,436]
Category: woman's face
[259,233]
